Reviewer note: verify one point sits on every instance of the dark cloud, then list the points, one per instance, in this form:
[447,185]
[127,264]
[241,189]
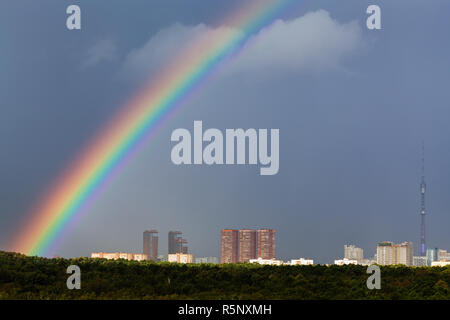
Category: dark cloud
[352,107]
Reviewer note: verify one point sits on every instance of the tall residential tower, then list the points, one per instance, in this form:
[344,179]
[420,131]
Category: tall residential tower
[265,246]
[150,244]
[229,246]
[176,243]
[247,245]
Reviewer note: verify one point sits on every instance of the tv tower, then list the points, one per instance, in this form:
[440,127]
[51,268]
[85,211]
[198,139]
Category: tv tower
[422,205]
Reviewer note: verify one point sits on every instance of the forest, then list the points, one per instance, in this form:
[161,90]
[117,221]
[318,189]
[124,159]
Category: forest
[24,277]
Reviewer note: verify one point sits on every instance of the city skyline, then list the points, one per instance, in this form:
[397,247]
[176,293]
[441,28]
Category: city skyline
[247,245]
[352,106]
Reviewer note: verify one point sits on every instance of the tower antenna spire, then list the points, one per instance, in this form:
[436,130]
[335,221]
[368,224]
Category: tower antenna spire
[422,205]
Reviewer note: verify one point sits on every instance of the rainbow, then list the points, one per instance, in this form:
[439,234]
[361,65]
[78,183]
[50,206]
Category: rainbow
[134,123]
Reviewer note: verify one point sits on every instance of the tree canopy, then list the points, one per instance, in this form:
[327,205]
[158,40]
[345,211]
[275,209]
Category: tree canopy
[23,277]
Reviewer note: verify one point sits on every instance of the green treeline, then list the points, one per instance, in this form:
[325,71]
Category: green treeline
[23,277]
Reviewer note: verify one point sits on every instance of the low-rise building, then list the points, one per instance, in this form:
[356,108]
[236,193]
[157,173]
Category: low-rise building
[420,261]
[272,262]
[345,261]
[368,262]
[180,258]
[443,255]
[119,255]
[207,260]
[302,262]
[440,263]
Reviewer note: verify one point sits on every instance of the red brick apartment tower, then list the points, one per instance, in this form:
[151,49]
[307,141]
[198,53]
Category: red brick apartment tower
[266,243]
[247,245]
[229,241]
[150,244]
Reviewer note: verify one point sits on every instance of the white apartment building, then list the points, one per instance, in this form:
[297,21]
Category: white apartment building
[272,262]
[302,262]
[119,255]
[391,253]
[440,263]
[345,261]
[443,255]
[180,258]
[351,252]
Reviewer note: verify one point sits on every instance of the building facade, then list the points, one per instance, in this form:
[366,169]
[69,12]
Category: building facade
[213,260]
[271,262]
[440,263]
[352,252]
[119,255]
[265,247]
[229,246]
[390,253]
[385,253]
[176,243]
[420,261]
[180,258]
[247,245]
[432,255]
[302,262]
[150,244]
[345,261]
[443,255]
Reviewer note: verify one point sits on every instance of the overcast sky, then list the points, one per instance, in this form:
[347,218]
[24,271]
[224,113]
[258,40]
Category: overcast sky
[353,106]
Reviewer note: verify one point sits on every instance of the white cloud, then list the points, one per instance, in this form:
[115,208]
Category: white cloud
[314,41]
[104,50]
[163,47]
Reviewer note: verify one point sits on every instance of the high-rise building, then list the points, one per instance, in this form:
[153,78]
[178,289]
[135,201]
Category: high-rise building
[405,252]
[352,252]
[150,244]
[391,253]
[247,245]
[385,253]
[432,255]
[266,243]
[176,243]
[173,242]
[229,246]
